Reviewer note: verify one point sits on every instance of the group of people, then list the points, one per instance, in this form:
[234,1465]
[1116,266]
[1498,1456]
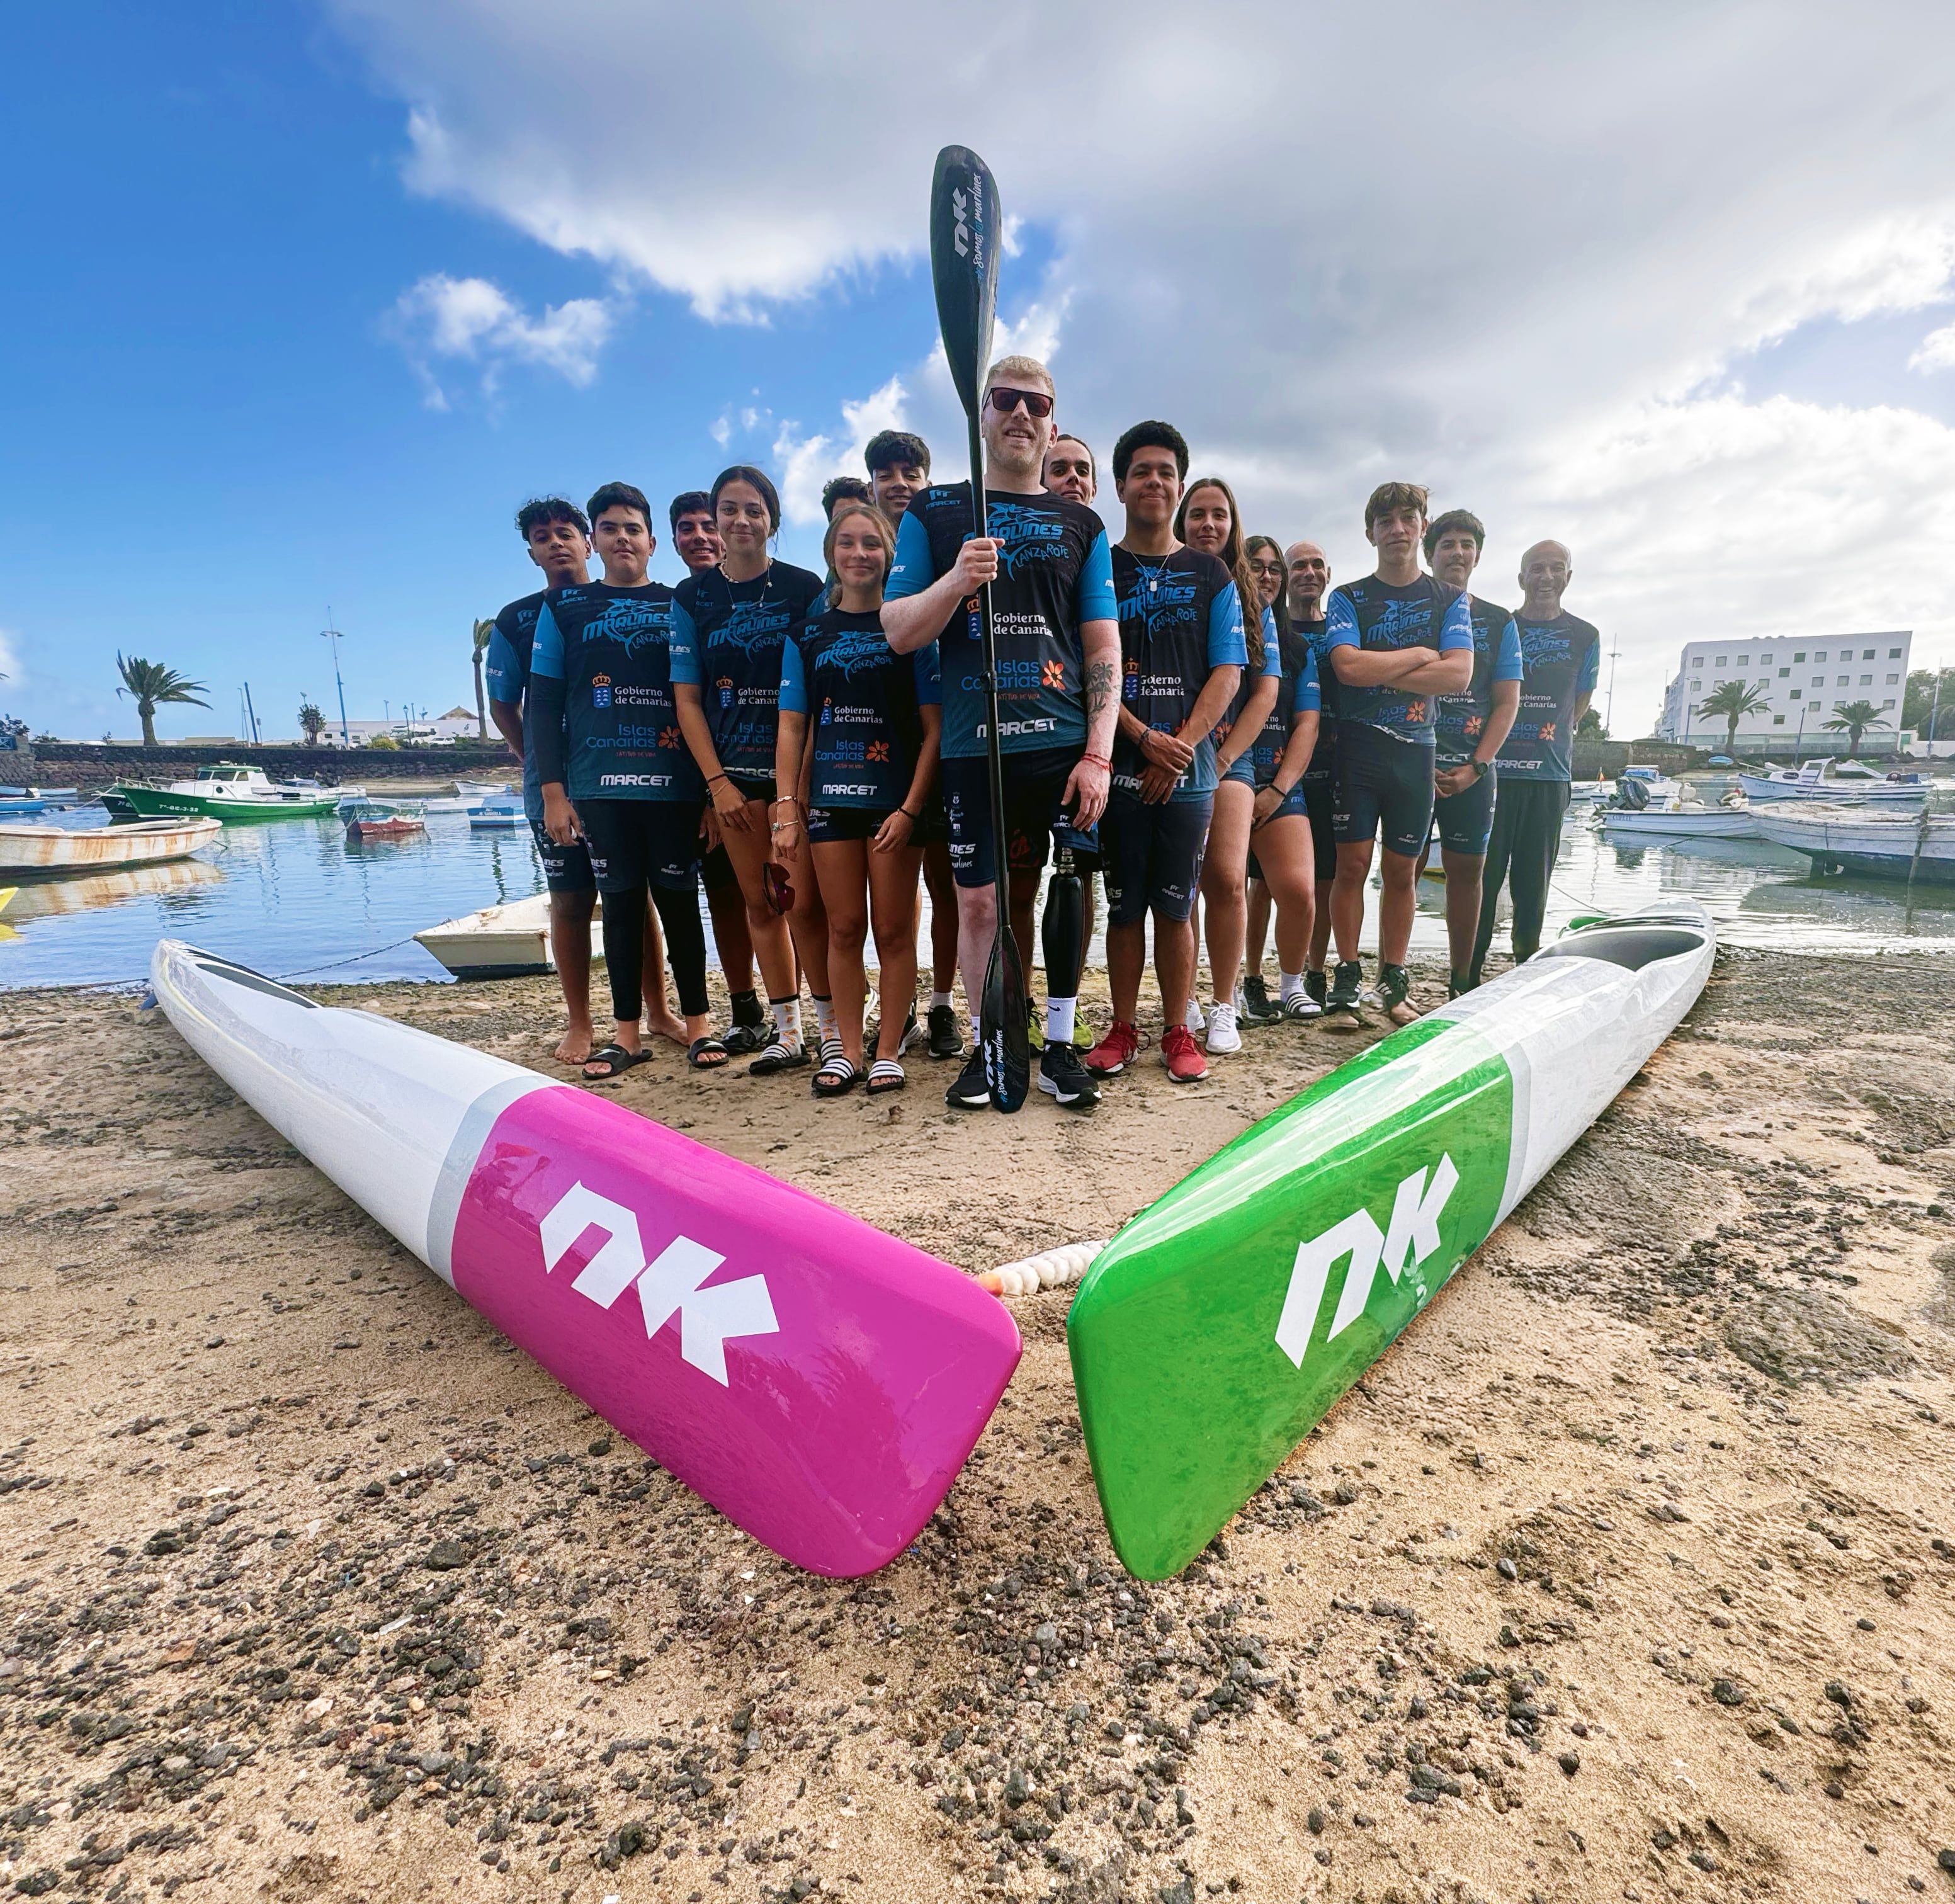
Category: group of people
[1191,713]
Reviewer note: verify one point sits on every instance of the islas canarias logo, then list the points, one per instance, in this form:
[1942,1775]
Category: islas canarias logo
[1052,674]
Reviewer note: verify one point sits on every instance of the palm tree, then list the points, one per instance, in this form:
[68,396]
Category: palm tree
[312,723]
[150,685]
[1852,718]
[1730,701]
[483,630]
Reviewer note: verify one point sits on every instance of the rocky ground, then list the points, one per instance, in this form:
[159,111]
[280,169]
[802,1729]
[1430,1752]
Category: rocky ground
[1628,1574]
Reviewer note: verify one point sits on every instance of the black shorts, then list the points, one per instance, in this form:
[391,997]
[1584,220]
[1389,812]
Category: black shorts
[754,786]
[1466,819]
[1033,815]
[1151,853]
[715,870]
[1383,786]
[566,868]
[635,843]
[1303,800]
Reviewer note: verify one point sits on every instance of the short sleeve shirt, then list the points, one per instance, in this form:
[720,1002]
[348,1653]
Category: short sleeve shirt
[1371,614]
[726,642]
[1496,657]
[864,700]
[505,668]
[1564,660]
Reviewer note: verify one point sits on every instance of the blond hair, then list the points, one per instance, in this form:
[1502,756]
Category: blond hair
[1008,367]
[855,506]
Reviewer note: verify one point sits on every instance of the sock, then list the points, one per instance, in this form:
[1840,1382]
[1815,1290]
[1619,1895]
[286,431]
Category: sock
[747,1007]
[824,1018]
[787,1017]
[1292,986]
[1059,1020]
[939,998]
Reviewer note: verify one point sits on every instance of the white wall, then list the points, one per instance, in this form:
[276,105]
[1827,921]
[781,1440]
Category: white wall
[1804,676]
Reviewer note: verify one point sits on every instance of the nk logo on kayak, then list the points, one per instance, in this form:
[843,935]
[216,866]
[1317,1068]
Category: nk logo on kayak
[1398,1251]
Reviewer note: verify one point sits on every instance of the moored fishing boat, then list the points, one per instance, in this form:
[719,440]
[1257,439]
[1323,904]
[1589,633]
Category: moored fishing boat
[1729,822]
[500,815]
[1853,838]
[371,819]
[508,941]
[1830,779]
[230,792]
[28,850]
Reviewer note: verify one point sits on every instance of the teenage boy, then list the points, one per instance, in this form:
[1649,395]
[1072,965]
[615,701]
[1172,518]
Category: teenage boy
[615,772]
[1395,639]
[1470,728]
[1058,642]
[558,537]
[842,488]
[1182,658]
[1070,471]
[898,465]
[1562,656]
[696,536]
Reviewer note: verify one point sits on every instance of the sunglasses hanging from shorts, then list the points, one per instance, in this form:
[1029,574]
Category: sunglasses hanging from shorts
[1005,400]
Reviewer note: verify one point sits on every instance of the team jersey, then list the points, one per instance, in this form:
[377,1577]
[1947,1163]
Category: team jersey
[1563,659]
[1054,573]
[1496,657]
[1270,670]
[867,732]
[1325,758]
[727,638]
[602,719]
[1370,614]
[1180,618]
[1297,692]
[506,669]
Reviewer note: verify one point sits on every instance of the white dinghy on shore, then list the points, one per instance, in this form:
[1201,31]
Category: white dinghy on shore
[509,941]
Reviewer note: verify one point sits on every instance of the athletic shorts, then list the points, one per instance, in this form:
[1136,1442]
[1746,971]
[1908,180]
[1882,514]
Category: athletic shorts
[1319,798]
[1242,768]
[1150,852]
[1296,801]
[636,843]
[1383,786]
[1034,782]
[1466,819]
[754,786]
[566,868]
[716,870]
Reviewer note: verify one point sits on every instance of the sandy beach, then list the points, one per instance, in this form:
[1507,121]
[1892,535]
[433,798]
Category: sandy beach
[1628,1574]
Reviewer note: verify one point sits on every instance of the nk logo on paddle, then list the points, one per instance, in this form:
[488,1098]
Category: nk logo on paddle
[669,1286]
[1396,1251]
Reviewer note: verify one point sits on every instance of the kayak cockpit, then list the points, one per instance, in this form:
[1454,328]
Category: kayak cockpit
[1632,947]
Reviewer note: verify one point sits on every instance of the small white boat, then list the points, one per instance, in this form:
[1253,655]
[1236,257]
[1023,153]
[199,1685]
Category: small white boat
[1848,837]
[1658,790]
[101,849]
[503,814]
[1583,791]
[451,802]
[509,941]
[1733,821]
[482,789]
[48,796]
[1831,779]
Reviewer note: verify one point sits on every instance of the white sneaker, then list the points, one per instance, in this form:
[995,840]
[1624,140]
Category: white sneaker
[1223,1035]
[1195,1022]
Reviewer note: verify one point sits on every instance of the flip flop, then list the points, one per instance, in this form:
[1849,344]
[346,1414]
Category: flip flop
[743,1040]
[702,1048]
[616,1059]
[886,1074]
[836,1078]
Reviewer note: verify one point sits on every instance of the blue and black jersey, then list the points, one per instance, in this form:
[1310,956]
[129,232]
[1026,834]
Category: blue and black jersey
[1270,670]
[864,699]
[1564,660]
[1324,758]
[1496,657]
[1054,573]
[1370,614]
[726,642]
[506,669]
[1180,618]
[601,718]
[1297,692]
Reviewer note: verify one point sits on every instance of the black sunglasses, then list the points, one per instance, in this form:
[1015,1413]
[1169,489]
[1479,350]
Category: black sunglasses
[1005,400]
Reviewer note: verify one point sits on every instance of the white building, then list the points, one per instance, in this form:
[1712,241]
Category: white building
[457,724]
[1804,678]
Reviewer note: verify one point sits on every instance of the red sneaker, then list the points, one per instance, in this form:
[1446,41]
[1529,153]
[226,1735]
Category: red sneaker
[1185,1062]
[1115,1052]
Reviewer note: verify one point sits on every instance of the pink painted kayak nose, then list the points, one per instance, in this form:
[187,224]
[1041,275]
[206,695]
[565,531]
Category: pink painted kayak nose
[819,1382]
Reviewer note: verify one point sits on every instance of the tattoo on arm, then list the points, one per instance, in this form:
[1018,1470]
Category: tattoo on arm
[1099,687]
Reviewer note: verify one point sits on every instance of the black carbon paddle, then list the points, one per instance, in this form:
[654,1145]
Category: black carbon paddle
[965,226]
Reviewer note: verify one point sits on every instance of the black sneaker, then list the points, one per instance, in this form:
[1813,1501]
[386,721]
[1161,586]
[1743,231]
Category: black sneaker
[1256,1009]
[945,1041]
[972,1091]
[1064,1079]
[1341,1002]
[1316,985]
[1394,994]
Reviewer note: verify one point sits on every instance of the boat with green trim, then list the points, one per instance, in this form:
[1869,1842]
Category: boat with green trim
[1223,1321]
[226,791]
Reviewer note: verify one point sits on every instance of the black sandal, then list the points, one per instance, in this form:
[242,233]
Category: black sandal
[616,1061]
[709,1047]
[743,1040]
[836,1078]
[778,1057]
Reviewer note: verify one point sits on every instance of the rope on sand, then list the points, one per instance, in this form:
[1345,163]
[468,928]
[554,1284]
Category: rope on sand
[1049,1270]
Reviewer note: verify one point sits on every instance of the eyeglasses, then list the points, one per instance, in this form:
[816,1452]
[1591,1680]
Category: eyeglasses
[1005,400]
[1265,569]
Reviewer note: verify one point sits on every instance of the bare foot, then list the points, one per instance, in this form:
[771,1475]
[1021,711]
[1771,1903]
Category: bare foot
[664,1025]
[574,1046]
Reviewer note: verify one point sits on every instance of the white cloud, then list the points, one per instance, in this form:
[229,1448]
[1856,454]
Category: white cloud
[11,669]
[470,320]
[807,462]
[1529,269]
[1937,351]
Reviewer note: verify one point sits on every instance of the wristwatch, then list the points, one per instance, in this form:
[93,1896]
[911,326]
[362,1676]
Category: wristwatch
[1480,769]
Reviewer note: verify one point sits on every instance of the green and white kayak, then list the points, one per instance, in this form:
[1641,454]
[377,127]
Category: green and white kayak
[1219,1327]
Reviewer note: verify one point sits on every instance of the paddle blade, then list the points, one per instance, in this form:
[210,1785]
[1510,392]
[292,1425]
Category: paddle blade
[1002,1020]
[965,227]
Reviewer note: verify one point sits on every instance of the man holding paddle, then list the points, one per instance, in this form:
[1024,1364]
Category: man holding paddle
[1049,569]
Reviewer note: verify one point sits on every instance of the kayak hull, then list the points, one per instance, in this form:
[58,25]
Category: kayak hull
[1225,1321]
[819,1382]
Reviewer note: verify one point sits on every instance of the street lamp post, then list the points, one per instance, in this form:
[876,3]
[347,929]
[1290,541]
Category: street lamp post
[333,635]
[1609,699]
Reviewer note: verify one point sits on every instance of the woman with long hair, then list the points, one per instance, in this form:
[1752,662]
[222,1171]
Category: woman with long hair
[729,625]
[1208,520]
[1252,999]
[870,773]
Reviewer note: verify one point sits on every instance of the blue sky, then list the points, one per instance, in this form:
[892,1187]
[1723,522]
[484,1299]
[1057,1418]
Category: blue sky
[1677,311]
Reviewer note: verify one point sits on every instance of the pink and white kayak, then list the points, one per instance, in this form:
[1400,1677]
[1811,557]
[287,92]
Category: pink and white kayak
[819,1382]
